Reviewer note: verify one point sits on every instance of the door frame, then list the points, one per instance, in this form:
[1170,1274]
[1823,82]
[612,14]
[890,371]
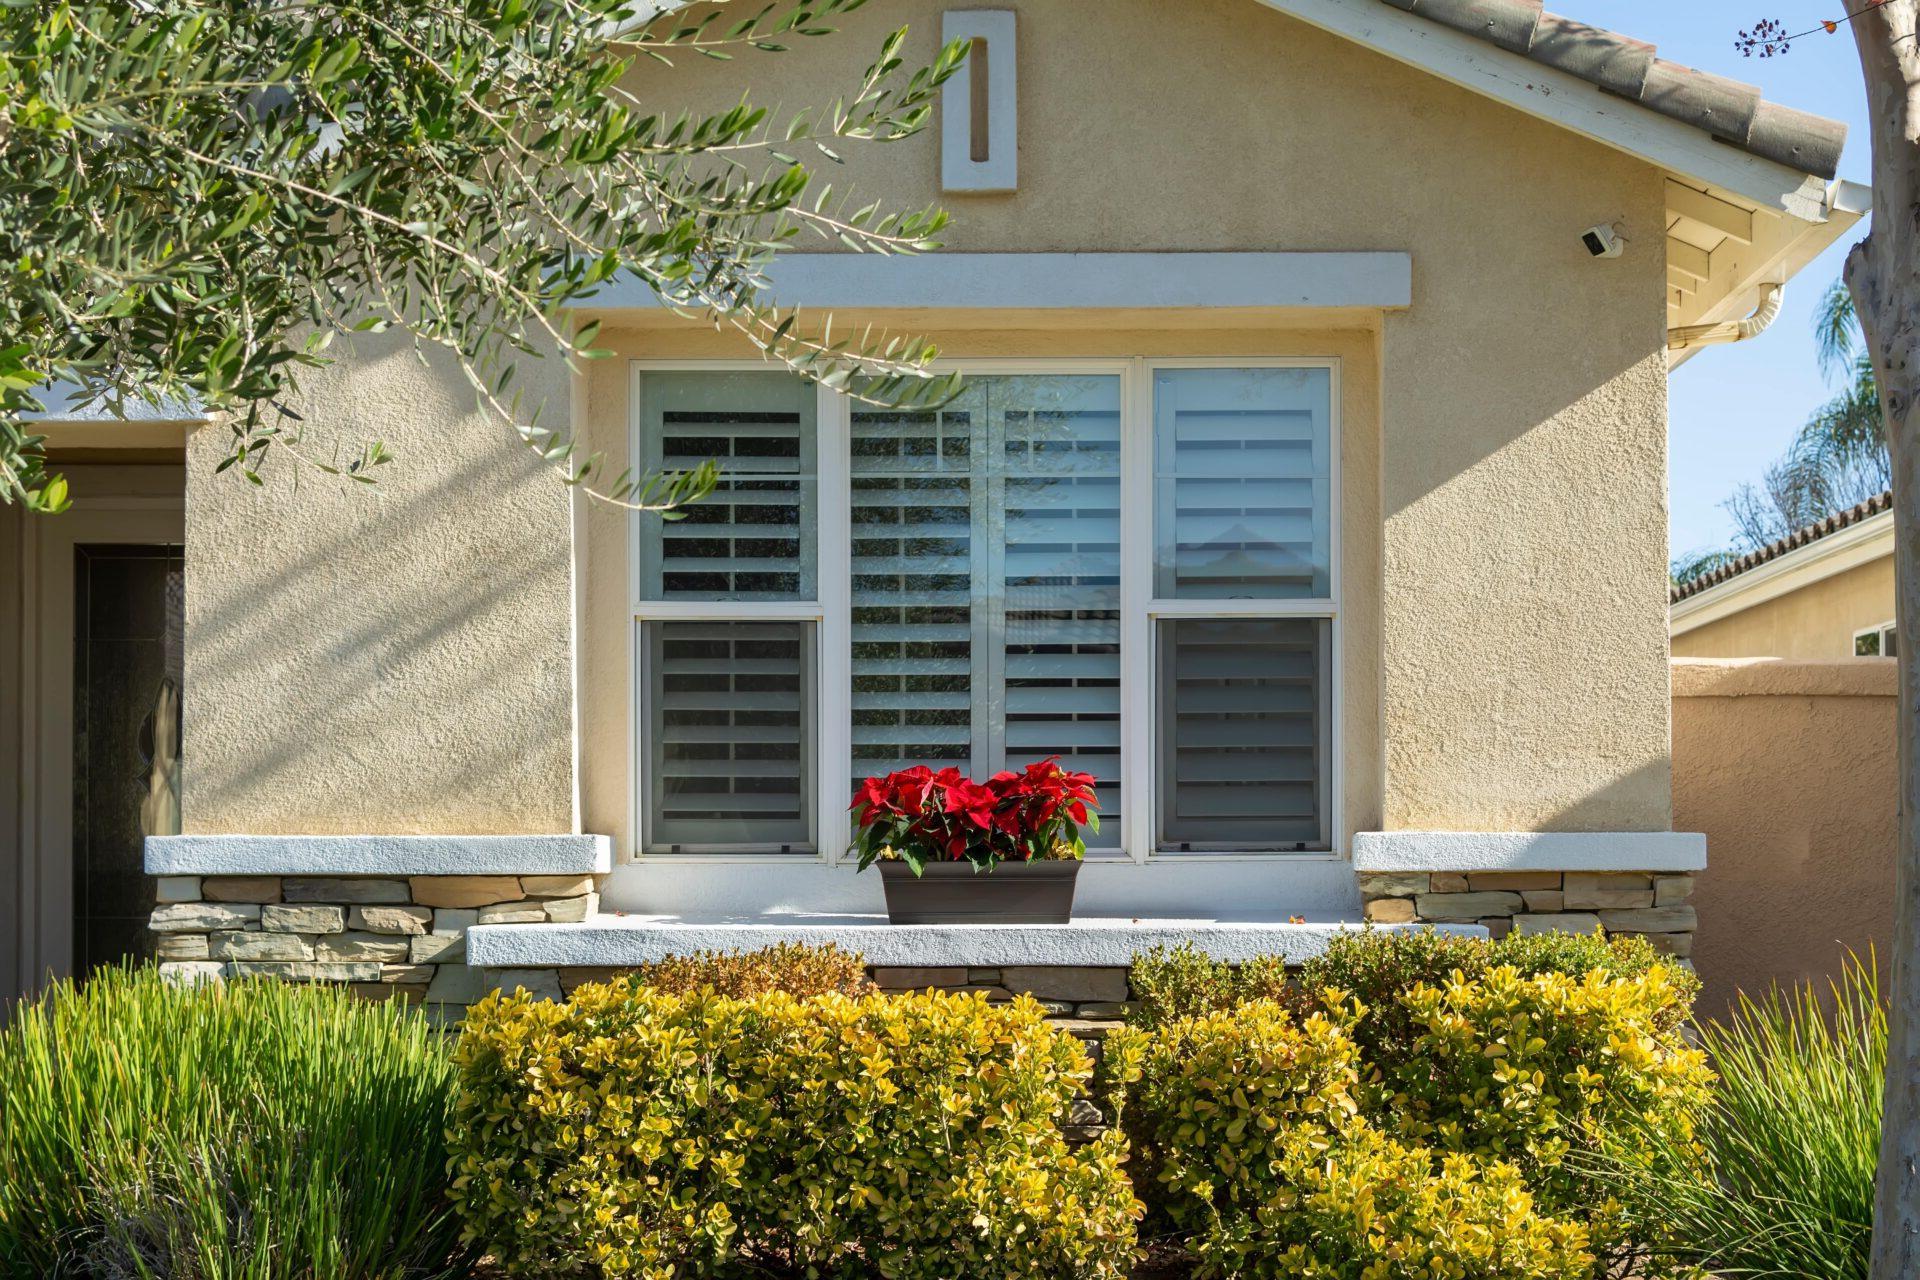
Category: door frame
[44,901]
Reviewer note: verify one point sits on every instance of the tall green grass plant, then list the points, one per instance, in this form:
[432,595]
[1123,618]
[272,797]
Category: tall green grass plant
[256,1131]
[1785,1183]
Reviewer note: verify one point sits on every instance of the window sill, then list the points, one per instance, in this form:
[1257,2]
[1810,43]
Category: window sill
[616,941]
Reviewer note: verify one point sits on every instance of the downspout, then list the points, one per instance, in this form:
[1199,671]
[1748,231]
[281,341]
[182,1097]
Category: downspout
[1731,330]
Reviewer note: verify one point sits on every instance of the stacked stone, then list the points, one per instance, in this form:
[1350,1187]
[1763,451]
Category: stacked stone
[386,937]
[1619,902]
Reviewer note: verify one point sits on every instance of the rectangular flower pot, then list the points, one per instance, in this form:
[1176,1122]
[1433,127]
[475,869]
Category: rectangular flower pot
[954,893]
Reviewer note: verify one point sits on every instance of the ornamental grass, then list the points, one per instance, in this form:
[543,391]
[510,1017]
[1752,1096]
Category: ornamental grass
[253,1131]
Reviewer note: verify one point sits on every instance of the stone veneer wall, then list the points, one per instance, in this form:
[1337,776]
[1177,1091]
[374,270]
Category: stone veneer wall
[1620,902]
[387,937]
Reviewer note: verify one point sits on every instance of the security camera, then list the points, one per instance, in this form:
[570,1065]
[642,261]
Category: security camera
[1604,241]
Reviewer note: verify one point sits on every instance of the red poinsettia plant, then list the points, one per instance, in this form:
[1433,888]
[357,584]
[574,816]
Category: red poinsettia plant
[920,816]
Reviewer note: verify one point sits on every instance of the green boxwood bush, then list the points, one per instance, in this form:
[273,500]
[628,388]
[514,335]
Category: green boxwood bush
[257,1130]
[631,1132]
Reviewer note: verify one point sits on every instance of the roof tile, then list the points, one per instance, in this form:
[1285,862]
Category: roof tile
[1726,108]
[1792,542]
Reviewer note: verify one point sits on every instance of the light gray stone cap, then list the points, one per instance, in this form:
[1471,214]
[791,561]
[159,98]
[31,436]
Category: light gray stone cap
[619,941]
[377,855]
[1529,851]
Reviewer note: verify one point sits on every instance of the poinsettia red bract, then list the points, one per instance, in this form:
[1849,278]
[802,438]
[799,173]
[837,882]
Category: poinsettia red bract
[920,816]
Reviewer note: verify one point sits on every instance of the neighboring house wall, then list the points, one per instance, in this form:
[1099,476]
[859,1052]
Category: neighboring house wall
[1816,621]
[1790,770]
[400,658]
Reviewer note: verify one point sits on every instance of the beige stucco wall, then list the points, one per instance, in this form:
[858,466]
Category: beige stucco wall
[393,658]
[1790,770]
[1814,621]
[1504,532]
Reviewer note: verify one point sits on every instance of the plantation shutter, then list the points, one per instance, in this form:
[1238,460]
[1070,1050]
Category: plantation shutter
[1242,465]
[986,582]
[753,537]
[730,734]
[1241,726]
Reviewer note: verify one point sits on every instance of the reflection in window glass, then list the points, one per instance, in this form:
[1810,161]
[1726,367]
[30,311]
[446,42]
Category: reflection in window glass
[730,736]
[1242,710]
[753,537]
[1242,483]
[986,582]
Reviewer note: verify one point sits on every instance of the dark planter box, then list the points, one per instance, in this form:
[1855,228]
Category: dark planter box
[954,893]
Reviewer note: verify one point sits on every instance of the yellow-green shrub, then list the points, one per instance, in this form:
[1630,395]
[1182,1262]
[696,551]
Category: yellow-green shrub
[635,1133]
[792,967]
[1549,1071]
[1250,1125]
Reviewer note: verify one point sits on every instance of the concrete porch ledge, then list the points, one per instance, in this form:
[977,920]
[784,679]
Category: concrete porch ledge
[1677,851]
[623,941]
[376,855]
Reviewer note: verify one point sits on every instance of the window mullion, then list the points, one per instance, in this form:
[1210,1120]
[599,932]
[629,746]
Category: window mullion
[1136,591]
[833,738]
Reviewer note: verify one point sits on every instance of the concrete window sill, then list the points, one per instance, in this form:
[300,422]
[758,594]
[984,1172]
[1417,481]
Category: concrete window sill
[620,941]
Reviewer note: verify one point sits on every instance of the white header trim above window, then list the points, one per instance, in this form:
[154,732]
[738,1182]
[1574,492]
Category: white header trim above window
[1070,281]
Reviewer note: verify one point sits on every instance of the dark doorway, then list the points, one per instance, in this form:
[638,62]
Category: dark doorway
[128,616]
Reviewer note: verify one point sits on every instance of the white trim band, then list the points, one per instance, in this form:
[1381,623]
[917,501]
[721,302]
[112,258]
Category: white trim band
[378,855]
[622,941]
[1066,281]
[1529,851]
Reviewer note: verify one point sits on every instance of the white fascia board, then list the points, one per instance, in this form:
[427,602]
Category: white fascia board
[624,941]
[1561,98]
[376,855]
[1848,548]
[1677,851]
[1057,281]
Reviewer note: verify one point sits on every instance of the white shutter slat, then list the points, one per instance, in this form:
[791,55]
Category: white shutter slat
[752,537]
[1242,483]
[1240,733]
[729,735]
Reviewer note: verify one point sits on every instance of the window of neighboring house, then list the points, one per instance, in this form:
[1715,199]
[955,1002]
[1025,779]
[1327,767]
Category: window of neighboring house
[870,589]
[1876,642]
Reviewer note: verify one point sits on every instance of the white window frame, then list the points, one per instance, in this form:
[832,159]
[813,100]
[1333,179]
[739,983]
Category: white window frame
[1879,631]
[830,611]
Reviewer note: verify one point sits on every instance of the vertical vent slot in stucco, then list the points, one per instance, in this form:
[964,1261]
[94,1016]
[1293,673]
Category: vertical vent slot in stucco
[979,126]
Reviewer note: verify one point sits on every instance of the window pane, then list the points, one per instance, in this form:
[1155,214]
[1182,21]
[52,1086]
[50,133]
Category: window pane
[753,537]
[1242,734]
[1242,483]
[1867,644]
[986,582]
[730,735]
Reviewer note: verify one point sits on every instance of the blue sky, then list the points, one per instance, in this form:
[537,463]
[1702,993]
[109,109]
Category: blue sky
[1734,409]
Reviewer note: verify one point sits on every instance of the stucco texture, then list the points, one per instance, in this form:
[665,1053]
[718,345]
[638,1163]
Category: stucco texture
[1504,535]
[1790,768]
[391,658]
[1814,621]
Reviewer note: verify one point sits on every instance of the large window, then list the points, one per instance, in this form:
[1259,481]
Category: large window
[1127,565]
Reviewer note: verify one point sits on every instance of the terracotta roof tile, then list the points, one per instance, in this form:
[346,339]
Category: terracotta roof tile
[1729,110]
[1792,542]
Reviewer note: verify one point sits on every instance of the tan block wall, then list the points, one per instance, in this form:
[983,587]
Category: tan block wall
[1816,622]
[1513,542]
[1790,769]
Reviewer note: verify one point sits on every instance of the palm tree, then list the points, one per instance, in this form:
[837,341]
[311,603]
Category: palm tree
[1839,457]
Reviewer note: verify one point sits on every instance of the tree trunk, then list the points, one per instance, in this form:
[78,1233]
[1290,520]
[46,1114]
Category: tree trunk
[1883,274]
